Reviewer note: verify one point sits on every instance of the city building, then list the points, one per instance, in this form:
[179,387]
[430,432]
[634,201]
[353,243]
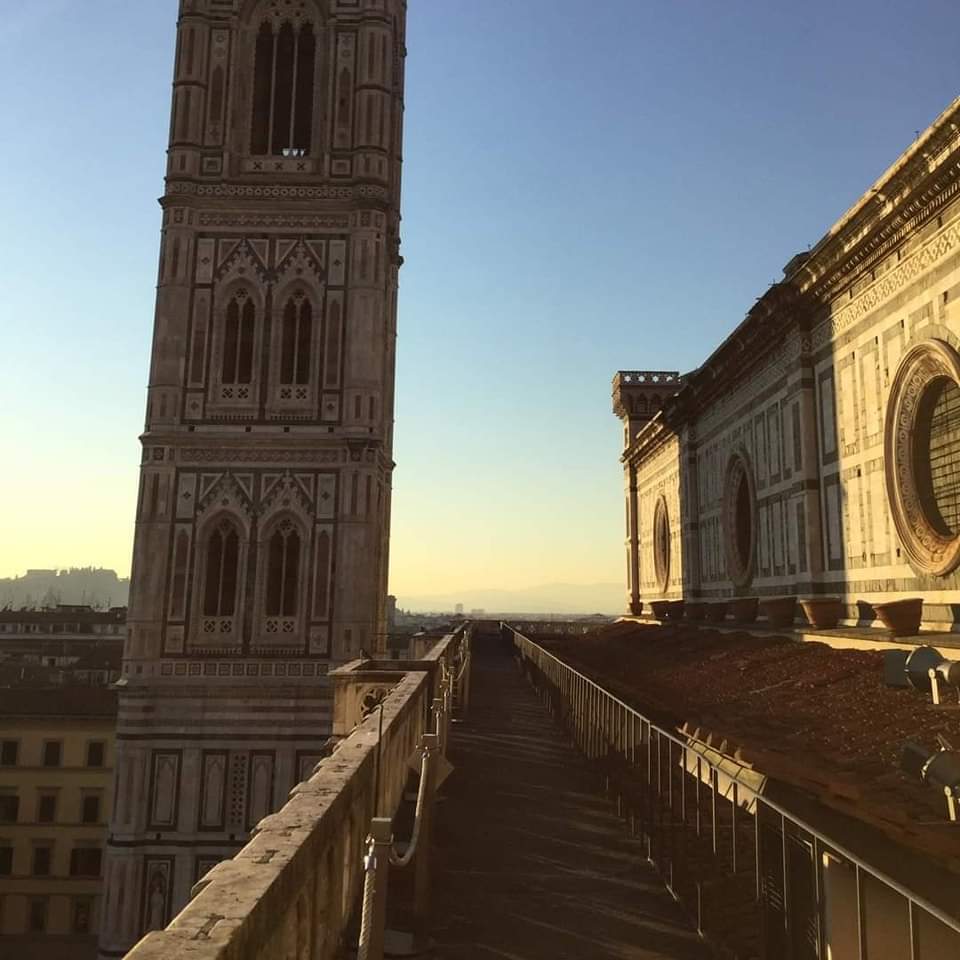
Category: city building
[816,450]
[391,612]
[260,551]
[72,643]
[56,787]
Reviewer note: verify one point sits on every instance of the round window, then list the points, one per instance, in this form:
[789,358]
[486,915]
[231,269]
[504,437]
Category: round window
[739,519]
[661,543]
[922,456]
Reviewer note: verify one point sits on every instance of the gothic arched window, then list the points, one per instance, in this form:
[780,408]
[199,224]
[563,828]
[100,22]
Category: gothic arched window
[221,571]
[283,571]
[297,339]
[284,65]
[238,339]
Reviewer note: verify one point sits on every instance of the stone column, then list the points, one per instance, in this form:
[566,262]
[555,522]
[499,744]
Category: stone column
[810,469]
[633,540]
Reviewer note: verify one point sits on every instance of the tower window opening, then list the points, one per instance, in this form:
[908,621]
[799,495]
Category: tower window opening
[238,340]
[284,66]
[283,571]
[222,569]
[297,341]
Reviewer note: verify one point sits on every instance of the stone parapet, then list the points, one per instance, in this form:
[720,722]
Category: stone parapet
[291,890]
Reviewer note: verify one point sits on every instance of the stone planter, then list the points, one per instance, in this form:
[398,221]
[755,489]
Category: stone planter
[743,609]
[780,611]
[675,609]
[823,613]
[901,617]
[716,611]
[696,610]
[659,609]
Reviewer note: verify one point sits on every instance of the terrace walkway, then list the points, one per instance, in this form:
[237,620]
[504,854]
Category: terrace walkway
[531,861]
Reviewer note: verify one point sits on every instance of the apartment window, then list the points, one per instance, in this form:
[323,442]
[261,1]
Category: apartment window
[95,753]
[9,807]
[52,753]
[6,861]
[47,808]
[9,752]
[37,916]
[82,915]
[90,812]
[42,859]
[85,862]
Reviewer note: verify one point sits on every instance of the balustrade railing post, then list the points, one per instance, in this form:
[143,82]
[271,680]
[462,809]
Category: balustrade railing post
[438,720]
[421,861]
[376,866]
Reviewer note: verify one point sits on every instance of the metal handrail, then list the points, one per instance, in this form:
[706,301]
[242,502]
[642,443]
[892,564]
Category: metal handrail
[525,643]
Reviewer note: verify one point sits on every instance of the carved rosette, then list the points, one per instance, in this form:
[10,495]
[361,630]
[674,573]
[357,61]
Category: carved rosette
[661,544]
[923,369]
[739,557]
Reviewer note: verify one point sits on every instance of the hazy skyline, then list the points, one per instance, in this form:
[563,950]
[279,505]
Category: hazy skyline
[587,188]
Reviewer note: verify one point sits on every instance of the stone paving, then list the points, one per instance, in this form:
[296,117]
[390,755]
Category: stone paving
[531,860]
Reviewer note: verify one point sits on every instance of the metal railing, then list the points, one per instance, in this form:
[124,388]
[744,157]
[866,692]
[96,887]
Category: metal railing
[754,876]
[381,853]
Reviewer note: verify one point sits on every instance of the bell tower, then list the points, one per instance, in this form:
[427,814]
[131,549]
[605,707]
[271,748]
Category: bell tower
[261,544]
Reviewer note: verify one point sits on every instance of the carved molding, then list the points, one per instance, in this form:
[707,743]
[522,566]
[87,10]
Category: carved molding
[661,543]
[887,286]
[260,220]
[237,455]
[923,367]
[363,191]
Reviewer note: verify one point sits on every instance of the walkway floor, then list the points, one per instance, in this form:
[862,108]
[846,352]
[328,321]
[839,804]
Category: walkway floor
[531,860]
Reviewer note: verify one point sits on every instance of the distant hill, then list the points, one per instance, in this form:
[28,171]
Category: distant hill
[95,586]
[567,598]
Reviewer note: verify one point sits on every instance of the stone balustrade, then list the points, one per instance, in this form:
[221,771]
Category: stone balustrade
[291,890]
[637,377]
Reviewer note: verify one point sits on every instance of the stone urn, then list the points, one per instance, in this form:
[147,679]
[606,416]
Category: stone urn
[743,609]
[696,610]
[675,609]
[659,609]
[716,611]
[823,613]
[780,611]
[901,617]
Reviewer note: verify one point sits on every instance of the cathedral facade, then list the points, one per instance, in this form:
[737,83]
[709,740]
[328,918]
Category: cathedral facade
[262,525]
[817,450]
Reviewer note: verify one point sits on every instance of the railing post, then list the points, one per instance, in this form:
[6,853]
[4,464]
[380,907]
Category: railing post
[438,720]
[421,863]
[465,678]
[376,865]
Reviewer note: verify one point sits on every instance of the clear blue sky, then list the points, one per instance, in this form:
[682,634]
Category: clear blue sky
[588,186]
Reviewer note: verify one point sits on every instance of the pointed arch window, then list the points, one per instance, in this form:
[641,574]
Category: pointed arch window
[238,340]
[284,64]
[283,571]
[297,340]
[221,571]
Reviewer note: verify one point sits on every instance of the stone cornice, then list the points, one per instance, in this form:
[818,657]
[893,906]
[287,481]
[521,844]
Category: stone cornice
[651,436]
[909,193]
[911,190]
